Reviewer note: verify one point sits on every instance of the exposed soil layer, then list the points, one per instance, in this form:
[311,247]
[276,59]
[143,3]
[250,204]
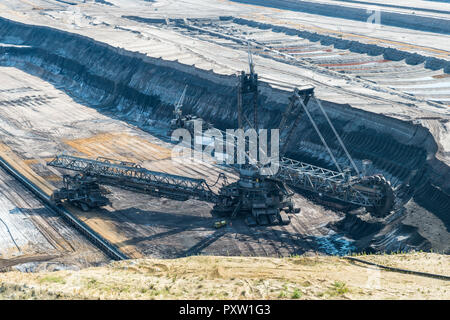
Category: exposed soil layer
[375,236]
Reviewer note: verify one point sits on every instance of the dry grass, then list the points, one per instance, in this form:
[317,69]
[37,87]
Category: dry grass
[202,277]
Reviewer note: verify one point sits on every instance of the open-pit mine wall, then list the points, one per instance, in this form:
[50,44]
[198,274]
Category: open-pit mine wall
[137,88]
[386,17]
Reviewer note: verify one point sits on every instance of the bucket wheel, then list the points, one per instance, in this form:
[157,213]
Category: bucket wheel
[384,207]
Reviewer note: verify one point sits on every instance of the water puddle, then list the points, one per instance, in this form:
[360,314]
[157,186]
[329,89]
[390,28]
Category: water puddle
[335,244]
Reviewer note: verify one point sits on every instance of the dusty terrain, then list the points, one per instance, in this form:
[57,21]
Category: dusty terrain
[201,277]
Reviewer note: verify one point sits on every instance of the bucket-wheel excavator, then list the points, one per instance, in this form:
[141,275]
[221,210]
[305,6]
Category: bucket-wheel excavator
[262,199]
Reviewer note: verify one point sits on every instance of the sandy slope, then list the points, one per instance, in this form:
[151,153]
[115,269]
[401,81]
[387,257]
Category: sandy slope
[200,277]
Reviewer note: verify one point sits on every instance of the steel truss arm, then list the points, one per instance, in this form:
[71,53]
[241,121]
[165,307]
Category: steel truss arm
[333,184]
[140,179]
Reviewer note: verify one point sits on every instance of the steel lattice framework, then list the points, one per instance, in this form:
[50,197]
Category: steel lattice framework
[131,176]
[333,184]
[297,174]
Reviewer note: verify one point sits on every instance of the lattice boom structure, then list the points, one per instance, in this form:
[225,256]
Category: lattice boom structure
[333,184]
[131,176]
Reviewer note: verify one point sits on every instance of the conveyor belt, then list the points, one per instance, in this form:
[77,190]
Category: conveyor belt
[131,176]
